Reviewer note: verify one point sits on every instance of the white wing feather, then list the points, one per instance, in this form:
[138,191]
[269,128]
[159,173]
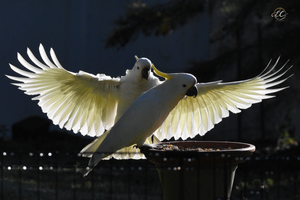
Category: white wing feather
[198,115]
[79,101]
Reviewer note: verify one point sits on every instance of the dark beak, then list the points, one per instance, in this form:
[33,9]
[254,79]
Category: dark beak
[145,73]
[192,91]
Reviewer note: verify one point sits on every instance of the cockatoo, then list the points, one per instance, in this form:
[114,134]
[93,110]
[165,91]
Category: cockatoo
[143,117]
[83,102]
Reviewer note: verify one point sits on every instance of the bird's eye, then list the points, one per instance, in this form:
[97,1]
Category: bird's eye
[184,85]
[138,67]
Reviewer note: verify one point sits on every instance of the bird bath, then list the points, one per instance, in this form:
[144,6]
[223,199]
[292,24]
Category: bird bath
[194,174]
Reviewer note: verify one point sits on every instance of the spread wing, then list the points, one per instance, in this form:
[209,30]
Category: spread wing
[198,115]
[79,101]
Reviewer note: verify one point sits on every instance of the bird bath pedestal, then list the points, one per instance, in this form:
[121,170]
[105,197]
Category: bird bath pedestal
[203,175]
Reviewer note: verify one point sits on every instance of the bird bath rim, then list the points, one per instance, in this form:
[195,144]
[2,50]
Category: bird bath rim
[237,154]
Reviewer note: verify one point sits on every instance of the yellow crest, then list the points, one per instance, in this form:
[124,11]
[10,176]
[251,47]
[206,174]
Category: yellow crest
[162,74]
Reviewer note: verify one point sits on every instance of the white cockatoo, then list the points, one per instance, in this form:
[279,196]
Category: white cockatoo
[143,117]
[83,102]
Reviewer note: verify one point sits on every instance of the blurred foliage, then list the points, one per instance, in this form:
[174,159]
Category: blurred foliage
[160,19]
[285,141]
[255,33]
[250,20]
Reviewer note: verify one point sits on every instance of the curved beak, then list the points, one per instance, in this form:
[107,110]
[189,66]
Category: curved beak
[145,73]
[192,91]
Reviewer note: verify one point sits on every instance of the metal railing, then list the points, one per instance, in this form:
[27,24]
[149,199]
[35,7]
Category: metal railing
[59,175]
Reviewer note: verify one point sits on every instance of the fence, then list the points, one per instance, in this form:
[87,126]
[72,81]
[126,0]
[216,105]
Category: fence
[59,175]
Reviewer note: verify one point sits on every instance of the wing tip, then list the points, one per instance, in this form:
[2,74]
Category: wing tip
[41,46]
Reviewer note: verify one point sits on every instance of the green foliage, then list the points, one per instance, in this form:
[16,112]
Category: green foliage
[286,141]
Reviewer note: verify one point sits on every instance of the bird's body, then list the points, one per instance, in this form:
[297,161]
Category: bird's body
[142,118]
[152,108]
[130,90]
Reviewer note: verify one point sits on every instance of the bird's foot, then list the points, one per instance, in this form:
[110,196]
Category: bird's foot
[144,147]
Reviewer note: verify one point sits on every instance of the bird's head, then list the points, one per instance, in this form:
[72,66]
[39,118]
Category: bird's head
[141,69]
[184,82]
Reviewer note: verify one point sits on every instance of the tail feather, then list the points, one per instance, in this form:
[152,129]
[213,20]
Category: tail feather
[94,161]
[124,153]
[90,149]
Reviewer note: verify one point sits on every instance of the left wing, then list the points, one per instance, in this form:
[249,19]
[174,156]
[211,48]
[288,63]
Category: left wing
[198,115]
[80,101]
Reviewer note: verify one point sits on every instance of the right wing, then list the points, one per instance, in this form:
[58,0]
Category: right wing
[198,115]
[79,101]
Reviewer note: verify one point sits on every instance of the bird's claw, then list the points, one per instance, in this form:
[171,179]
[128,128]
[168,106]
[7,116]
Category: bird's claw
[144,147]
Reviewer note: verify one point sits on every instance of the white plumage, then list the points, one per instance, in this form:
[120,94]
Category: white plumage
[143,117]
